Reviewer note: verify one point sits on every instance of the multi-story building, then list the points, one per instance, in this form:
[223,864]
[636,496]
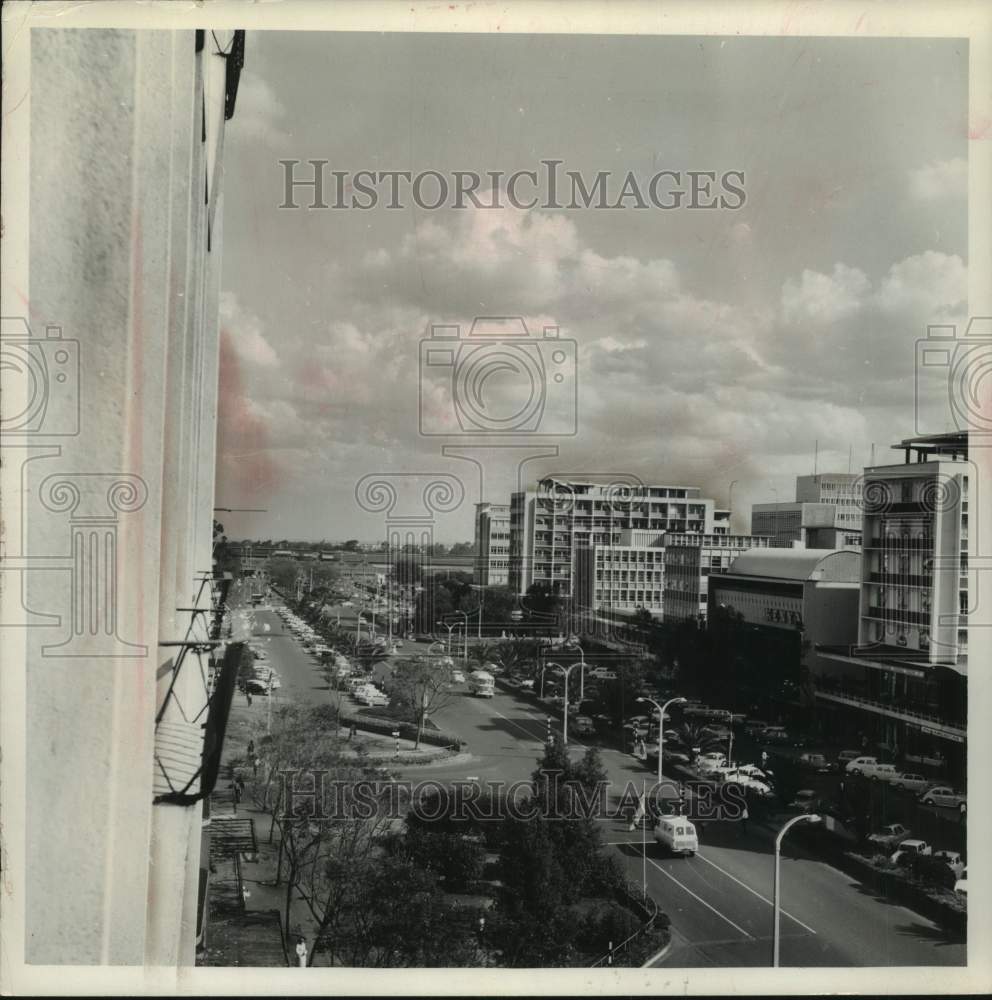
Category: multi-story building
[549,524]
[622,577]
[903,687]
[689,560]
[492,544]
[825,514]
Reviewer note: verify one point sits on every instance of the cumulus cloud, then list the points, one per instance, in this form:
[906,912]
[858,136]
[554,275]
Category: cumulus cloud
[673,380]
[824,298]
[944,179]
[260,113]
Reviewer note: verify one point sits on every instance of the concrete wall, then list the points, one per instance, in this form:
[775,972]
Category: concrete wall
[118,258]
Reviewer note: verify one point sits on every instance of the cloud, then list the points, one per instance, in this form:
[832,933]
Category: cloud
[941,180]
[824,298]
[259,112]
[245,330]
[675,380]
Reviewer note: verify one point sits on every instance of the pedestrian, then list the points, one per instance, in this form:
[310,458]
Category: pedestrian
[255,764]
[353,732]
[744,819]
[248,694]
[301,951]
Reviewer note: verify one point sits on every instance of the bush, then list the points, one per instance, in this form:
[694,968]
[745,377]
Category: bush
[407,730]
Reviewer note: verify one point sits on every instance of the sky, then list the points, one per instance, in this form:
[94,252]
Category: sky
[710,347]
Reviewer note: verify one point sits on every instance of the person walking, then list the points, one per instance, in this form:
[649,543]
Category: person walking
[301,952]
[744,818]
[251,749]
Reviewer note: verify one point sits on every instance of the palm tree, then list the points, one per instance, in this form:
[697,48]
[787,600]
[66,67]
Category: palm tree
[484,653]
[368,655]
[697,739]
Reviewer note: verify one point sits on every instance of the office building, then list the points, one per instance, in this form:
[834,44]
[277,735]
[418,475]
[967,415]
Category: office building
[689,561]
[550,524]
[825,514]
[903,686]
[492,544]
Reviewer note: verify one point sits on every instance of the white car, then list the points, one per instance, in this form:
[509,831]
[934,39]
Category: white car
[953,860]
[911,782]
[871,768]
[920,848]
[457,677]
[945,797]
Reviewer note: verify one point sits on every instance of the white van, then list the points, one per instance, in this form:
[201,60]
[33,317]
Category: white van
[677,835]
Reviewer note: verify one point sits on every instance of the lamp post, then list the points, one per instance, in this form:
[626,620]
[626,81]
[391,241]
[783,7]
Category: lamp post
[810,818]
[565,671]
[464,614]
[678,700]
[450,628]
[574,644]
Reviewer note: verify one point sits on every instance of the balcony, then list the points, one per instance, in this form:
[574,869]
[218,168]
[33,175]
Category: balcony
[894,709]
[901,615]
[901,579]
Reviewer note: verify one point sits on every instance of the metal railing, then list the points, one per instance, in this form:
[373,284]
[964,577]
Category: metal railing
[654,911]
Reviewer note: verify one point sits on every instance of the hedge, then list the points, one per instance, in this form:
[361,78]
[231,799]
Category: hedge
[407,730]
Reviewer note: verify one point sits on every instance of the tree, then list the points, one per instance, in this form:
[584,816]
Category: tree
[462,549]
[423,686]
[351,545]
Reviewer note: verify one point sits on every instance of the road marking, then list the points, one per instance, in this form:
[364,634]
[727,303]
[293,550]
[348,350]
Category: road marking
[754,892]
[701,900]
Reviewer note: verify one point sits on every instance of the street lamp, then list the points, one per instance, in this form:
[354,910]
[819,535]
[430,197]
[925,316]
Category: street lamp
[564,671]
[678,700]
[809,818]
[450,629]
[464,614]
[574,644]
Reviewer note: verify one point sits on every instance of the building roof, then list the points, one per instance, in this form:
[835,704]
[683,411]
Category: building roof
[839,565]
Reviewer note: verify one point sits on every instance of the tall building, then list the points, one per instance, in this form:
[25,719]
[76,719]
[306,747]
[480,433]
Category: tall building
[549,524]
[492,544]
[826,513]
[689,561]
[904,685]
[125,143]
[620,577]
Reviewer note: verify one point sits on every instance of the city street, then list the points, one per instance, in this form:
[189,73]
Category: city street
[720,900]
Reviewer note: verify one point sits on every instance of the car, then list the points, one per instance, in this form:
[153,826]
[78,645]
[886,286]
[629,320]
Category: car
[945,797]
[859,764]
[890,836]
[775,734]
[846,756]
[754,727]
[961,886]
[911,782]
[527,684]
[816,762]
[753,771]
[711,757]
[583,725]
[457,677]
[805,800]
[952,859]
[908,849]
[734,776]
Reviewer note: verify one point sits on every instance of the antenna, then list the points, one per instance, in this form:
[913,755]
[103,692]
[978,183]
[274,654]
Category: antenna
[816,454]
[850,449]
[872,462]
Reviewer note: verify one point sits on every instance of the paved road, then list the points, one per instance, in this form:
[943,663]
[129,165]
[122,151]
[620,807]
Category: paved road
[719,901]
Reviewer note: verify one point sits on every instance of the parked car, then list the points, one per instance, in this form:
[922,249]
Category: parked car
[754,785]
[890,836]
[816,762]
[775,734]
[753,771]
[860,765]
[805,800]
[909,848]
[527,684]
[945,797]
[911,782]
[953,860]
[961,886]
[846,756]
[583,725]
[754,727]
[457,677]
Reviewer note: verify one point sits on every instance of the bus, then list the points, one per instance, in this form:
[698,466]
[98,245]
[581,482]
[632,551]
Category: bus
[481,683]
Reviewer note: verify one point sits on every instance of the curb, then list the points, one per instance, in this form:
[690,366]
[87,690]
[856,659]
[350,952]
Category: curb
[664,951]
